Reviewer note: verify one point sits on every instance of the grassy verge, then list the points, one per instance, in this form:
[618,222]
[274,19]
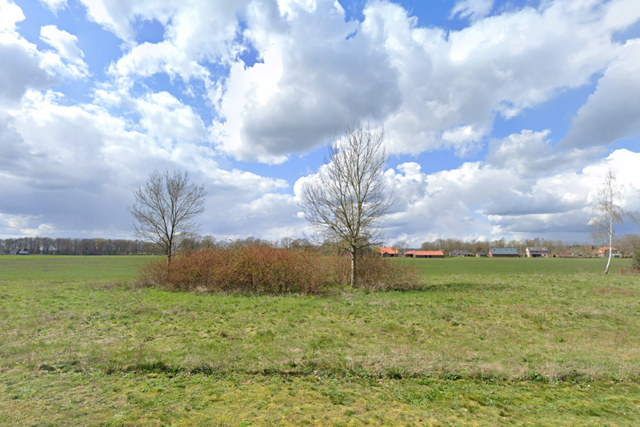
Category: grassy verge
[70,399]
[491,348]
[557,327]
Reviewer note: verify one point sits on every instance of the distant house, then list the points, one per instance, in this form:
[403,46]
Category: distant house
[424,254]
[604,252]
[460,252]
[388,252]
[503,253]
[480,254]
[540,252]
[23,252]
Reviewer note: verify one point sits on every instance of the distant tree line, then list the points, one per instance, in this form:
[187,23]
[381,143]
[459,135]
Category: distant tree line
[193,242]
[76,246]
[185,244]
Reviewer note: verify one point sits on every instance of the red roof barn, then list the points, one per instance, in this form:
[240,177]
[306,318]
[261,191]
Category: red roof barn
[604,251]
[388,252]
[424,254]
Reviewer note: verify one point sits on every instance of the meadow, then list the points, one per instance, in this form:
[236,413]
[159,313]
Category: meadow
[485,342]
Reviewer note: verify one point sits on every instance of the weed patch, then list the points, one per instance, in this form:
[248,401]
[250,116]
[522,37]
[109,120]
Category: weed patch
[265,270]
[612,291]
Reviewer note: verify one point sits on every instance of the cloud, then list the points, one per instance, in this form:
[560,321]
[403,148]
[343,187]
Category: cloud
[530,153]
[316,71]
[24,67]
[63,42]
[479,199]
[472,9]
[429,89]
[167,120]
[197,33]
[612,112]
[55,5]
[147,59]
[118,16]
[281,77]
[68,61]
[303,91]
[19,60]
[74,167]
[10,15]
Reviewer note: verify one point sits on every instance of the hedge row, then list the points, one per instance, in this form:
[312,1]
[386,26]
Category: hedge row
[267,270]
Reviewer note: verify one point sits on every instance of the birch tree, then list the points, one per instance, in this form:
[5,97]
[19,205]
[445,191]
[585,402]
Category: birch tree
[346,200]
[165,208]
[607,212]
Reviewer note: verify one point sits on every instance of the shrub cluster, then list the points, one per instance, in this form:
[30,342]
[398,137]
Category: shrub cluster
[267,270]
[635,266]
[381,274]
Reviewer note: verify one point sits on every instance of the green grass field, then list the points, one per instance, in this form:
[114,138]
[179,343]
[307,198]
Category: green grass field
[52,268]
[486,342]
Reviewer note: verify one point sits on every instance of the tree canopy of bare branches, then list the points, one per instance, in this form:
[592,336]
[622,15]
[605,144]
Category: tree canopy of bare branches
[165,209]
[607,212]
[346,199]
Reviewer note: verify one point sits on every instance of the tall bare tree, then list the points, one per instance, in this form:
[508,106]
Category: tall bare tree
[346,200]
[401,245]
[165,208]
[607,212]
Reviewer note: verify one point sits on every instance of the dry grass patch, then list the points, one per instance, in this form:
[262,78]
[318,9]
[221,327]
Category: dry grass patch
[612,290]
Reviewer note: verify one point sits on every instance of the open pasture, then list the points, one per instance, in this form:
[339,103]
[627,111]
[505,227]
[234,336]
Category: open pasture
[486,342]
[514,266]
[117,268]
[53,268]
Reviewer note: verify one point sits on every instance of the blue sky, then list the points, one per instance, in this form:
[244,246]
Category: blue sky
[501,116]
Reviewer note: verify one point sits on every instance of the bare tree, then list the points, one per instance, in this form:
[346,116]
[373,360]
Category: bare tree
[286,243]
[401,245]
[165,208]
[607,212]
[346,200]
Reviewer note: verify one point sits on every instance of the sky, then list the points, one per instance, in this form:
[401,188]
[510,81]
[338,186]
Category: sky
[501,117]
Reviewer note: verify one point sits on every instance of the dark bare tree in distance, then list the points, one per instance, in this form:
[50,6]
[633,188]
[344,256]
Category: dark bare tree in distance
[165,208]
[607,212]
[346,200]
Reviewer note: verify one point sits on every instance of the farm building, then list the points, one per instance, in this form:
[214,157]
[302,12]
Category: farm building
[388,252]
[460,252]
[604,252]
[541,252]
[480,254]
[503,253]
[424,254]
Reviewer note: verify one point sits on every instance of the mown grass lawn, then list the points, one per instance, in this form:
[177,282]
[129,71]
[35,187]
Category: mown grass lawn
[486,342]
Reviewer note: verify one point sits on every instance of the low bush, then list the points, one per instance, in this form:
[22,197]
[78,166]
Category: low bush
[381,274]
[265,270]
[635,266]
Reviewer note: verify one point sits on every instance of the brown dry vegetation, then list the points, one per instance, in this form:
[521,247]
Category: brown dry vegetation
[259,269]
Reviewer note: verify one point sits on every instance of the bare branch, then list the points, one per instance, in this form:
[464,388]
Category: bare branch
[346,200]
[607,212]
[165,208]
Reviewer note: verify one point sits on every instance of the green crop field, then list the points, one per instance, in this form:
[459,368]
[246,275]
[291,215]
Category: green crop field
[53,268]
[487,342]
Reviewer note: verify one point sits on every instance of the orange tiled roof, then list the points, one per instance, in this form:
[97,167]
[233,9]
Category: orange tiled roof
[426,253]
[606,248]
[392,251]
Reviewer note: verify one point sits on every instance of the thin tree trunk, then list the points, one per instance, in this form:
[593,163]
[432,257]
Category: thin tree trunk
[353,268]
[169,264]
[606,270]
